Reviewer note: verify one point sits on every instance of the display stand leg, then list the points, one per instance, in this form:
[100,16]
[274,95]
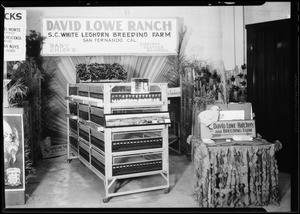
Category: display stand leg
[166,177]
[108,185]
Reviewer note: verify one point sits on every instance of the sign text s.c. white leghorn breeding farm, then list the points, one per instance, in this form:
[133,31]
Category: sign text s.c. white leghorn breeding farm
[94,36]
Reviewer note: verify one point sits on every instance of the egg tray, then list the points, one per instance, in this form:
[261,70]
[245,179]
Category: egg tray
[140,167]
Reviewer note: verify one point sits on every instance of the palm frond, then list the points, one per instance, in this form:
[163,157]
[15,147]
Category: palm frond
[175,63]
[17,92]
[48,93]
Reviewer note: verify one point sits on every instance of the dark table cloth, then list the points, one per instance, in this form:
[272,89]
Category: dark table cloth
[235,174]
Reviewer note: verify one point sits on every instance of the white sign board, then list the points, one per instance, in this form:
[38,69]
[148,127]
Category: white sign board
[140,85]
[232,115]
[109,36]
[228,129]
[174,92]
[14,35]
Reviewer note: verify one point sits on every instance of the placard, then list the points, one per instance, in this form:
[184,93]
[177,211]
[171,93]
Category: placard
[174,92]
[14,35]
[230,128]
[227,129]
[246,107]
[109,36]
[140,85]
[232,115]
[213,125]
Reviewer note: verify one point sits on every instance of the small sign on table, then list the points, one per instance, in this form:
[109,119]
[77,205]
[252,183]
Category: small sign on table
[140,85]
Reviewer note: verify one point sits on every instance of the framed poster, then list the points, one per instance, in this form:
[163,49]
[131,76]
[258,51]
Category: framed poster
[14,163]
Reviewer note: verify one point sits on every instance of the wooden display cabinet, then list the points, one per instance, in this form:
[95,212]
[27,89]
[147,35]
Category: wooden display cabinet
[119,134]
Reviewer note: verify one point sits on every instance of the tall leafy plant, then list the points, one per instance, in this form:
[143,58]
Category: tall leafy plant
[48,94]
[176,63]
[30,88]
[208,85]
[177,76]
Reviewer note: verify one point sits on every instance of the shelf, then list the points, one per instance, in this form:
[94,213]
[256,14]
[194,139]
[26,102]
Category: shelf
[83,141]
[73,134]
[134,152]
[138,128]
[136,104]
[96,126]
[97,149]
[71,116]
[90,124]
[139,119]
[84,161]
[135,146]
[99,103]
[140,174]
[74,150]
[97,171]
[117,134]
[85,100]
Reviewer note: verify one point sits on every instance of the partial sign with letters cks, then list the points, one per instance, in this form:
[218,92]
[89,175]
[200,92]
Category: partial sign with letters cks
[14,35]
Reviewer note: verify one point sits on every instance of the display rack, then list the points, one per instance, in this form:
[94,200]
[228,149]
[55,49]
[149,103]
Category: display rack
[119,134]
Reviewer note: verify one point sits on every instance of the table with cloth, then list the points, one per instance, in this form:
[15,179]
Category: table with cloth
[235,174]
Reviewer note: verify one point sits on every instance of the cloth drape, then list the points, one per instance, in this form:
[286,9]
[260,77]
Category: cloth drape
[235,175]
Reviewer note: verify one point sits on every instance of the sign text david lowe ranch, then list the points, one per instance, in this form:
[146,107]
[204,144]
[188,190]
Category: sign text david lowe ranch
[101,36]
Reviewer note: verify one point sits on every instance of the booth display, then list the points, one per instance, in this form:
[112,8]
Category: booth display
[232,166]
[140,99]
[119,134]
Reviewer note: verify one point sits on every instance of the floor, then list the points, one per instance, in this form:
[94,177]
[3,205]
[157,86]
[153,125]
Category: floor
[59,184]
